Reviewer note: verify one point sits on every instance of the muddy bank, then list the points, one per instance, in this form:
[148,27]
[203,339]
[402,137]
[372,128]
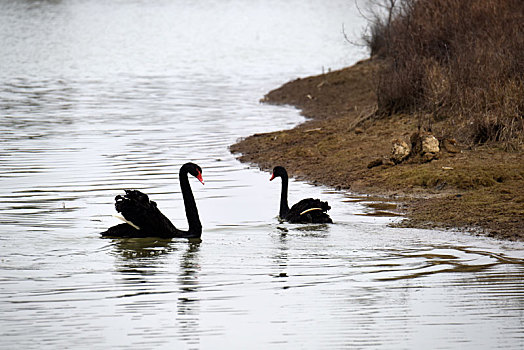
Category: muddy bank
[480,189]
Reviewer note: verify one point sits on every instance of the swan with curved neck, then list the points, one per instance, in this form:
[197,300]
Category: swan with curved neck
[143,218]
[308,210]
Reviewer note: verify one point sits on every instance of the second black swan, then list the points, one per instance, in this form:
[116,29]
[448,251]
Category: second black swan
[144,219]
[308,210]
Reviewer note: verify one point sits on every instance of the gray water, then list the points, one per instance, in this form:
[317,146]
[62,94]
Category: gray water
[98,96]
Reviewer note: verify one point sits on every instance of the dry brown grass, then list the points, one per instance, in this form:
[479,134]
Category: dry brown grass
[454,60]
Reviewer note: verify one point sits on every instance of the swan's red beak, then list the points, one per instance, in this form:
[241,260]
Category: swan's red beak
[199,177]
[272,177]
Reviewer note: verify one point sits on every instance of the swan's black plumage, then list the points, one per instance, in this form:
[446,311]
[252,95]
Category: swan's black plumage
[137,208]
[308,210]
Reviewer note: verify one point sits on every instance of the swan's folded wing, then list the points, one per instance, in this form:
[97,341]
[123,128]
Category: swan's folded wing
[309,203]
[309,210]
[136,207]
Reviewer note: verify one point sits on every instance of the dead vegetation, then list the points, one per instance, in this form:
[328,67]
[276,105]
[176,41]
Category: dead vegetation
[445,68]
[458,61]
[477,187]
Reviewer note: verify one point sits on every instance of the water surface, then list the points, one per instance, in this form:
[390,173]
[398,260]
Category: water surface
[97,96]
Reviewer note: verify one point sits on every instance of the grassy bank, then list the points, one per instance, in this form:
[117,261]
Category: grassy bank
[446,71]
[478,188]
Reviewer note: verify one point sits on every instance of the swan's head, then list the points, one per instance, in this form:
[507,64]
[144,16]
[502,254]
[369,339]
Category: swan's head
[278,171]
[195,170]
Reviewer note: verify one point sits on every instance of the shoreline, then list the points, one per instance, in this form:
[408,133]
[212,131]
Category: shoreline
[477,189]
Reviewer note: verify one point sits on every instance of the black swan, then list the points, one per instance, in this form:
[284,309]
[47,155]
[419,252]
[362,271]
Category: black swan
[143,219]
[308,210]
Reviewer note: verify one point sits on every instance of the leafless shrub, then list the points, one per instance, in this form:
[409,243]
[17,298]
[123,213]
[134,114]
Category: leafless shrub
[458,59]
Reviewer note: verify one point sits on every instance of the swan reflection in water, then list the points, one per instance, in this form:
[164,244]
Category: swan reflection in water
[188,302]
[134,249]
[144,263]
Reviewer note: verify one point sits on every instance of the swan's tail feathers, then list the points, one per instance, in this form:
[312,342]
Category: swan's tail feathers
[325,206]
[132,201]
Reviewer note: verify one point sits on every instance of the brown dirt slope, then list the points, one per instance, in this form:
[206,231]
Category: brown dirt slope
[480,188]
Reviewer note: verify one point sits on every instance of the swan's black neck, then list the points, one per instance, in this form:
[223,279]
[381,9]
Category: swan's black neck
[195,227]
[284,208]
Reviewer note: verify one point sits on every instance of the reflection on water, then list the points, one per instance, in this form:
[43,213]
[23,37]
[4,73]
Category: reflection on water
[98,96]
[188,309]
[133,248]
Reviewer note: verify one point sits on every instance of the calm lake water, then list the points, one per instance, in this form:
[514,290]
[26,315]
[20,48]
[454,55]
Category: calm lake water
[97,96]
